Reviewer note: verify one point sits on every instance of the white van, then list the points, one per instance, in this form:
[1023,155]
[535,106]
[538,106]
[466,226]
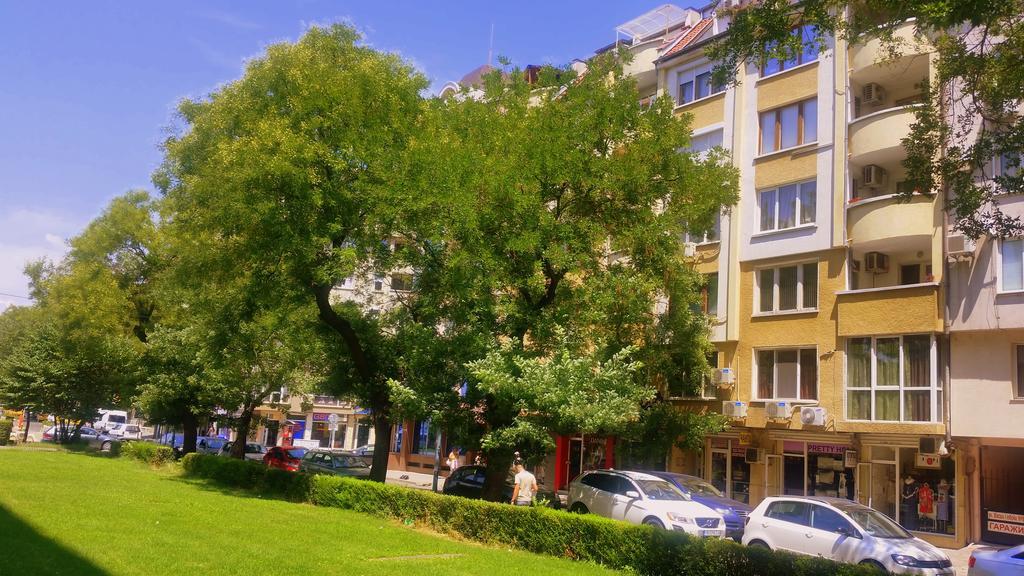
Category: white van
[108,418]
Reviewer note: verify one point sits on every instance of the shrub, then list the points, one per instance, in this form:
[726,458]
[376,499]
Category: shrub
[148,452]
[540,530]
[5,430]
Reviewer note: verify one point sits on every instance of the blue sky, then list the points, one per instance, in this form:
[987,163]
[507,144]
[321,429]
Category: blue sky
[87,89]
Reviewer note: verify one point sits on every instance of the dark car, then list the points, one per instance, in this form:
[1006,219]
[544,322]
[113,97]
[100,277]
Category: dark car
[284,457]
[700,490]
[468,482]
[210,444]
[336,463]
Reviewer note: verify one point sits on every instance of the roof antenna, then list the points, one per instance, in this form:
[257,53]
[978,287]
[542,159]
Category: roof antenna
[490,47]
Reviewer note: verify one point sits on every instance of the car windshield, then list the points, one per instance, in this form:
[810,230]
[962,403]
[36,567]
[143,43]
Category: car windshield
[116,418]
[296,452]
[699,487]
[874,522]
[133,428]
[661,490]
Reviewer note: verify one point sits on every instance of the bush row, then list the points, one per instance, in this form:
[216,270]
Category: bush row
[147,452]
[6,426]
[540,530]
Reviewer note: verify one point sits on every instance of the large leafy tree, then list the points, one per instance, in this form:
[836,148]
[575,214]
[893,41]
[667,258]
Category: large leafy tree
[973,112]
[288,175]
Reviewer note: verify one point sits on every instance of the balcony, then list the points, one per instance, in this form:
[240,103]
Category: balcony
[871,53]
[872,222]
[642,67]
[876,138]
[890,310]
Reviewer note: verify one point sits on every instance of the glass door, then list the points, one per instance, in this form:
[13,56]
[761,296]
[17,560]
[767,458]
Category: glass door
[720,470]
[773,475]
[575,464]
[883,489]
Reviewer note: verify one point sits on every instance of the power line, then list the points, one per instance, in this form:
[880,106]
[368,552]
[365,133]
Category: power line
[14,296]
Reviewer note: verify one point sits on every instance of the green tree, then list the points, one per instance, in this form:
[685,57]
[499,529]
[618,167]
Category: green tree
[973,112]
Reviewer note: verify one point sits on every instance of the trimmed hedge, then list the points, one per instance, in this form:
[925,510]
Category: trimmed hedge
[155,454]
[541,530]
[5,430]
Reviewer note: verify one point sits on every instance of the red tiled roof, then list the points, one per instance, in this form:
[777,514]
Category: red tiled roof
[687,38]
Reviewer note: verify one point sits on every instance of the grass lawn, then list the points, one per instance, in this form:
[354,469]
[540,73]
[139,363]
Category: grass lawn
[79,514]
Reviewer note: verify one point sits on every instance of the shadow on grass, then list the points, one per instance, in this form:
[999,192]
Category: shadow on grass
[24,550]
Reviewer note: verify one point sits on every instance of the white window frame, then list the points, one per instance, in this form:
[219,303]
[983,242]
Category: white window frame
[797,208]
[998,169]
[935,389]
[775,377]
[775,289]
[684,75]
[999,267]
[703,238]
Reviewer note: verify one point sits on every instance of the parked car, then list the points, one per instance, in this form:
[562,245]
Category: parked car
[327,462]
[284,457]
[253,450]
[843,531]
[86,434]
[107,419]
[126,432]
[996,562]
[468,482]
[699,490]
[642,498]
[210,444]
[366,450]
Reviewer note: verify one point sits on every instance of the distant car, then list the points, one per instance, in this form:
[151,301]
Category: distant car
[109,418]
[210,444]
[468,482]
[996,562]
[126,432]
[366,450]
[284,457]
[328,462]
[640,498]
[843,531]
[253,450]
[86,434]
[733,511]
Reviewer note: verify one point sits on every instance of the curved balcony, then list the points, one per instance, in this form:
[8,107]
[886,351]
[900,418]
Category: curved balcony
[879,220]
[872,52]
[875,138]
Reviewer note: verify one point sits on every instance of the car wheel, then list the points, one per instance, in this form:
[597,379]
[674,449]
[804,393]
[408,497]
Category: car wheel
[874,564]
[654,523]
[105,447]
[759,544]
[579,508]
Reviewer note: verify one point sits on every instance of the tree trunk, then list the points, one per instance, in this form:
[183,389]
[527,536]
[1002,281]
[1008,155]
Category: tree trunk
[242,432]
[382,433]
[189,434]
[498,465]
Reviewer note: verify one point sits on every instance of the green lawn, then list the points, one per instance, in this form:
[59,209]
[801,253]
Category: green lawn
[80,514]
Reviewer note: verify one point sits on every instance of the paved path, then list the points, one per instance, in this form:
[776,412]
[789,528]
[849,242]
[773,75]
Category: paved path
[961,556]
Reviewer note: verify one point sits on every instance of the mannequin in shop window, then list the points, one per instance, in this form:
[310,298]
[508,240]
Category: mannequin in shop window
[942,505]
[926,504]
[909,504]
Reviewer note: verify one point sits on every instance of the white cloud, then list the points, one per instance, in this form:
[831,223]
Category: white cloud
[27,235]
[229,19]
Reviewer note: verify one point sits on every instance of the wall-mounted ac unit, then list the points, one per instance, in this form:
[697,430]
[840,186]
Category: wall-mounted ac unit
[873,176]
[876,262]
[724,376]
[872,94]
[754,456]
[735,409]
[931,445]
[779,410]
[689,249]
[813,416]
[960,245]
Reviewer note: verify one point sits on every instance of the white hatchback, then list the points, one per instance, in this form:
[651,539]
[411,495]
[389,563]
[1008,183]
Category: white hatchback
[843,531]
[642,499]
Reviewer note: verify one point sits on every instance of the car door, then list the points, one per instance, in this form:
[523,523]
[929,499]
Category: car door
[785,523]
[830,535]
[597,493]
[623,507]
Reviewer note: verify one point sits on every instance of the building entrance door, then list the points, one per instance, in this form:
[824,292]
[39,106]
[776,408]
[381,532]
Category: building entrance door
[883,489]
[575,463]
[272,428]
[1002,508]
[773,475]
[864,483]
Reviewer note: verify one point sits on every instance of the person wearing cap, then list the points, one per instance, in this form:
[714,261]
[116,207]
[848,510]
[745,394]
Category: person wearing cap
[908,504]
[525,486]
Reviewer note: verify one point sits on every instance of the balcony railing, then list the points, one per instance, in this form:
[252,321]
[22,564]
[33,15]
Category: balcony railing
[890,310]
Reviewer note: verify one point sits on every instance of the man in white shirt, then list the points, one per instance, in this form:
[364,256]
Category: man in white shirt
[525,487]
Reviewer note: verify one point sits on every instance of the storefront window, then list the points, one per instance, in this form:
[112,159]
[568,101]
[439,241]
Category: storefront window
[826,472]
[729,471]
[397,444]
[425,440]
[927,492]
[321,431]
[740,474]
[363,433]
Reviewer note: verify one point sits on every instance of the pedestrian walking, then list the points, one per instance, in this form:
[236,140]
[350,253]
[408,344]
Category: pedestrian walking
[453,460]
[525,487]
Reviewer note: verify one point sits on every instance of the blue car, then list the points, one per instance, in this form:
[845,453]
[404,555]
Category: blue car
[700,490]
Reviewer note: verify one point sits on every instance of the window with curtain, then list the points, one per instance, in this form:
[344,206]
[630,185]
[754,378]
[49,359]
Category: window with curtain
[1011,273]
[808,53]
[696,83]
[790,373]
[892,379]
[788,206]
[788,288]
[789,126]
[710,294]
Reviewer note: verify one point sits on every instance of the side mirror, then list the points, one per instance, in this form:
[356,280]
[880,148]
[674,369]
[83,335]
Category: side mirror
[848,532]
[633,494]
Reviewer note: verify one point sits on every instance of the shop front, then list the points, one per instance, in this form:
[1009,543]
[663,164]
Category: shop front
[577,454]
[728,468]
[321,430]
[1002,504]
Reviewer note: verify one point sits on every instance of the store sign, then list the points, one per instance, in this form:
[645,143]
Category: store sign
[833,449]
[1006,523]
[321,416]
[933,461]
[850,459]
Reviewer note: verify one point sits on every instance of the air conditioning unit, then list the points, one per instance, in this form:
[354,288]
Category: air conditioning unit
[931,445]
[724,376]
[754,456]
[876,262]
[813,416]
[960,245]
[779,410]
[689,249]
[735,409]
[873,176]
[872,94]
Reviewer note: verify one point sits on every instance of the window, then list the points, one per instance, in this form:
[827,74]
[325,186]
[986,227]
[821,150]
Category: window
[1011,275]
[829,520]
[401,282]
[602,482]
[712,235]
[787,374]
[378,283]
[788,288]
[709,294]
[809,53]
[789,126]
[1007,164]
[425,440]
[397,445]
[892,378]
[1019,388]
[696,83]
[706,141]
[788,511]
[788,206]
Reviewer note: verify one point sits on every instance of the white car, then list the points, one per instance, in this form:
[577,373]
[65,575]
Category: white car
[995,562]
[125,431]
[843,531]
[642,499]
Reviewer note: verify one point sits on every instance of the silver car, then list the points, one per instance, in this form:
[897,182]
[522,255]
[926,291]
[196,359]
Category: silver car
[996,562]
[328,462]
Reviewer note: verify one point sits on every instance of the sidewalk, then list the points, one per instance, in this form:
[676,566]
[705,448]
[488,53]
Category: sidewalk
[416,480]
[960,556]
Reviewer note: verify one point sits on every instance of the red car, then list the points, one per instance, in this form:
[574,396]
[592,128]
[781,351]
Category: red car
[284,457]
